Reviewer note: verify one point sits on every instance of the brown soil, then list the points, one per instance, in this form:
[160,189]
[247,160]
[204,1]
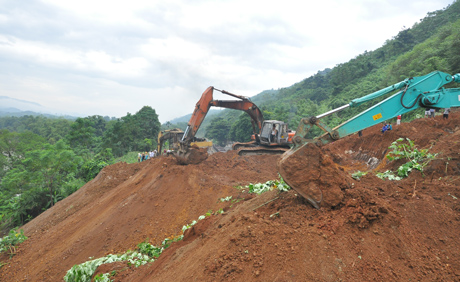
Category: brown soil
[369,230]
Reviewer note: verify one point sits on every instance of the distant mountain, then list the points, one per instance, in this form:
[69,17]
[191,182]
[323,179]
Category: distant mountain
[9,110]
[13,112]
[187,117]
[19,105]
[17,108]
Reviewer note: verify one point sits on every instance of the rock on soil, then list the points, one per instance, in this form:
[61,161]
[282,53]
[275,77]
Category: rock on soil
[372,229]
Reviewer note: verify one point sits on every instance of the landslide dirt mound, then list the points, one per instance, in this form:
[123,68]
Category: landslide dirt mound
[376,230]
[127,204]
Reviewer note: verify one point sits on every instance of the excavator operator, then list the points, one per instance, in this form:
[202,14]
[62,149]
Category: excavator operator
[273,134]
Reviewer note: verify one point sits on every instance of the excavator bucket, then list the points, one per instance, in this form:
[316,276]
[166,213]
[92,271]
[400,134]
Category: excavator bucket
[312,174]
[191,155]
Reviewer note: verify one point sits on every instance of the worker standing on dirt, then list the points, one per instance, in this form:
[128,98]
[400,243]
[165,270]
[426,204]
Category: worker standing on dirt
[273,134]
[398,120]
[427,113]
[432,112]
[446,113]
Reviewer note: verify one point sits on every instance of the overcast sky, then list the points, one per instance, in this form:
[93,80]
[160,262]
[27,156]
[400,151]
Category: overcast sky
[109,57]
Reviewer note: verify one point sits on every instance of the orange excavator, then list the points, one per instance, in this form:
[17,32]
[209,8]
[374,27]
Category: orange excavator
[261,143]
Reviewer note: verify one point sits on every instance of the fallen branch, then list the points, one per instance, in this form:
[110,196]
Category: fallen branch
[265,203]
[454,179]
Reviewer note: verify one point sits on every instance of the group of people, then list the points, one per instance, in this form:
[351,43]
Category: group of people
[431,112]
[386,127]
[428,113]
[143,156]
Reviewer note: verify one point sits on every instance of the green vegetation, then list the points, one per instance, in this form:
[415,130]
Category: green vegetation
[260,188]
[406,149]
[84,271]
[8,243]
[45,160]
[218,130]
[144,254]
[357,175]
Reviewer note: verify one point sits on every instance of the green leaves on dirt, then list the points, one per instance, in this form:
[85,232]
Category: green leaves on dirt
[83,272]
[145,253]
[404,148]
[8,243]
[260,188]
[357,175]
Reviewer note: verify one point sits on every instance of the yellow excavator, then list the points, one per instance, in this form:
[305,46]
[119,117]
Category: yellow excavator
[173,136]
[303,166]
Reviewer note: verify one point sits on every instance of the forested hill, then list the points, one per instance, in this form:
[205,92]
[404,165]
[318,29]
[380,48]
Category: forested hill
[43,160]
[431,44]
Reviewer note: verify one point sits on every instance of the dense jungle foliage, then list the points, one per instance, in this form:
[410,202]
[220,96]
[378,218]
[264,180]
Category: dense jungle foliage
[44,159]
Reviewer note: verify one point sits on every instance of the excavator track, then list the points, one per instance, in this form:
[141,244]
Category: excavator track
[239,145]
[249,151]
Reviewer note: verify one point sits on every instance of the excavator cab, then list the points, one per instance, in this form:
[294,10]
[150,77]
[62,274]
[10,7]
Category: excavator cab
[281,138]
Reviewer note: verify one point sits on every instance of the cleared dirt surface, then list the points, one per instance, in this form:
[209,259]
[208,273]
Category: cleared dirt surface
[378,230]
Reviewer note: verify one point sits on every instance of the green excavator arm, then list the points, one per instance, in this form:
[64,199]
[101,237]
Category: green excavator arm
[417,92]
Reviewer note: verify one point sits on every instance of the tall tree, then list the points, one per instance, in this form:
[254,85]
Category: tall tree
[218,130]
[241,130]
[37,182]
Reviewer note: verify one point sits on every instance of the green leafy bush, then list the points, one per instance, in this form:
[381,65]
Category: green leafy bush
[404,148]
[8,243]
[92,167]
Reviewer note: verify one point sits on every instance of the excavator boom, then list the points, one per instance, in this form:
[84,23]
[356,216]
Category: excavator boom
[201,110]
[300,165]
[206,102]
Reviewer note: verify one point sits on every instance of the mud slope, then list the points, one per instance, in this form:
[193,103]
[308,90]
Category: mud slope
[125,205]
[380,230]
